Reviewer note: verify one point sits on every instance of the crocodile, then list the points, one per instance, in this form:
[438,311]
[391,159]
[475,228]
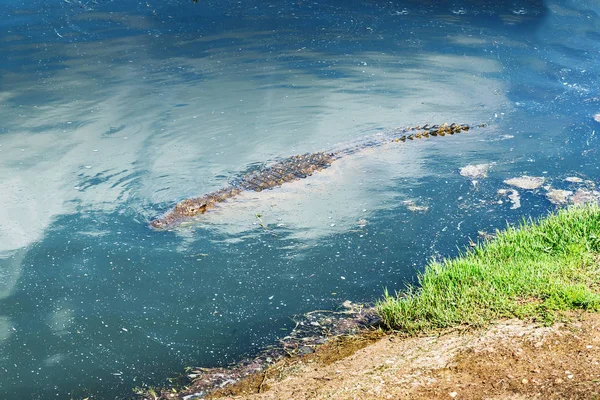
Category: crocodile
[294,168]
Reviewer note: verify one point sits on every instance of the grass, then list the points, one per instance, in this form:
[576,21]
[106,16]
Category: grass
[534,271]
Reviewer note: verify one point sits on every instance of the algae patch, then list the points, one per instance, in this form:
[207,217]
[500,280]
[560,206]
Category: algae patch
[526,182]
[475,171]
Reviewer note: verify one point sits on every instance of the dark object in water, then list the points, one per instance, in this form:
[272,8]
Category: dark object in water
[292,169]
[312,330]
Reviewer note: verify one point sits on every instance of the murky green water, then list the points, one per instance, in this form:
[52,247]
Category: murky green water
[110,112]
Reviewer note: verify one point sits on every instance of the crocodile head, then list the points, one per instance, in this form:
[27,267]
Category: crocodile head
[191,207]
[184,209]
[158,223]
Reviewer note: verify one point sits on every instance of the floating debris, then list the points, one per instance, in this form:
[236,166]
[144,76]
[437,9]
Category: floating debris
[475,170]
[526,182]
[583,196]
[558,197]
[513,196]
[486,236]
[412,206]
[573,179]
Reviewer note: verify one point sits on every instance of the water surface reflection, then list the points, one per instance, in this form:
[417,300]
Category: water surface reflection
[113,112]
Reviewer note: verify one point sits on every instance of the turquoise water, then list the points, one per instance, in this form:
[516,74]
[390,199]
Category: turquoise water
[110,112]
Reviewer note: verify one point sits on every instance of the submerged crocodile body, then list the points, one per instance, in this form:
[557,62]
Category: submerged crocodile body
[292,169]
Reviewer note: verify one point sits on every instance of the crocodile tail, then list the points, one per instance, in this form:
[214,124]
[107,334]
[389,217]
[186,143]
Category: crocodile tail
[434,130]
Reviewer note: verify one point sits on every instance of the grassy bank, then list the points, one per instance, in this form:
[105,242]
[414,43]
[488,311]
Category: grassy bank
[533,271]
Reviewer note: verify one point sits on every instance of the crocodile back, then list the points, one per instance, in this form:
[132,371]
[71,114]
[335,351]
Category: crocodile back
[294,168]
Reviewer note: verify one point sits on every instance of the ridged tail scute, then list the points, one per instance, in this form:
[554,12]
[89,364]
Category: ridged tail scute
[435,130]
[288,170]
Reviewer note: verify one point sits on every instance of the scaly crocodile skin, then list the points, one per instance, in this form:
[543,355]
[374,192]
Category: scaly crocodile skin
[292,169]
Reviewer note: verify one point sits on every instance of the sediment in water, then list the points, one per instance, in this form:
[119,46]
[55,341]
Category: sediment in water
[312,330]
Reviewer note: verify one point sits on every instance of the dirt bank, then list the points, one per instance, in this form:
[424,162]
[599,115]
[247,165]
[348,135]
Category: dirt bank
[511,359]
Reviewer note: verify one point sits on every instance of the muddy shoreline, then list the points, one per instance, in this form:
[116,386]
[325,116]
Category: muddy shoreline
[509,359]
[350,327]
[506,359]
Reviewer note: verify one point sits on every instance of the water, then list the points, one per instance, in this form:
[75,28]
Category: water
[112,111]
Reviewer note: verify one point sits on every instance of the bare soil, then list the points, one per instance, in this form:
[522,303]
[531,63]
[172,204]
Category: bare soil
[511,359]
